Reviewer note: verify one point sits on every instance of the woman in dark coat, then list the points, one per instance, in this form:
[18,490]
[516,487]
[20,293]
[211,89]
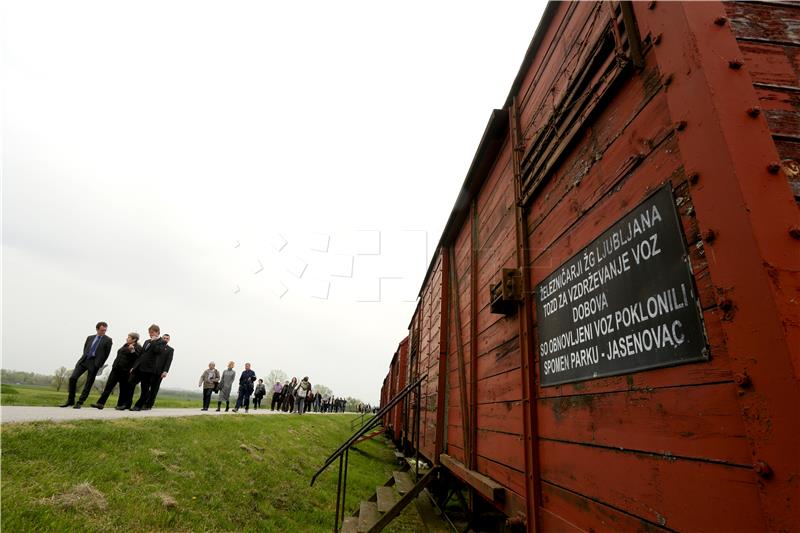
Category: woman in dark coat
[288,395]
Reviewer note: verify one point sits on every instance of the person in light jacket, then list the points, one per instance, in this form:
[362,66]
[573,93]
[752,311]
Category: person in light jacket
[209,380]
[225,386]
[302,391]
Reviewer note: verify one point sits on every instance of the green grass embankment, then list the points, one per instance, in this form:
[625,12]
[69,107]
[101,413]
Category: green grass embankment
[232,473]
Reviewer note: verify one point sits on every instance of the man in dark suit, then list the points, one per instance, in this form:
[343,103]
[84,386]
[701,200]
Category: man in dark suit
[121,373]
[95,352]
[168,361]
[150,367]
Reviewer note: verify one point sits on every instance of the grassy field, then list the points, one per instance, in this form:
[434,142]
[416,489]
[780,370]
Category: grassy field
[236,473]
[48,396]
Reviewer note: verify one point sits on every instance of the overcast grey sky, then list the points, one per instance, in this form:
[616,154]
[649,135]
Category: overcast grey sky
[265,180]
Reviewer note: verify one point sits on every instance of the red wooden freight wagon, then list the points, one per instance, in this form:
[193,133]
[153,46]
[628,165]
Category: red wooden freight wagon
[610,326]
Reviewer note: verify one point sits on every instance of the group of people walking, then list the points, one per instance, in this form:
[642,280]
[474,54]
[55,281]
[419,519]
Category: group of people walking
[213,382]
[295,397]
[146,364]
[292,397]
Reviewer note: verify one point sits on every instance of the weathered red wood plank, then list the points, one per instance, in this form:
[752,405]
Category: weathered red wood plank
[511,479]
[455,449]
[501,416]
[702,422]
[500,388]
[584,514]
[557,238]
[633,124]
[503,357]
[770,64]
[495,189]
[768,22]
[582,29]
[550,521]
[681,495]
[583,209]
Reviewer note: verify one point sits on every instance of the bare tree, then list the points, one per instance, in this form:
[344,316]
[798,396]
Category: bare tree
[60,377]
[275,375]
[326,392]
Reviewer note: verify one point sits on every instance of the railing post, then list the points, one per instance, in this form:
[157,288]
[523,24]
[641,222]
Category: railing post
[338,494]
[344,484]
[418,423]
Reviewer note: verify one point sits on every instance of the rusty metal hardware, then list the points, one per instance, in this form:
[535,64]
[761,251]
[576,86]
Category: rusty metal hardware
[742,379]
[680,125]
[709,236]
[762,469]
[735,64]
[753,111]
[726,304]
[720,21]
[773,168]
[506,294]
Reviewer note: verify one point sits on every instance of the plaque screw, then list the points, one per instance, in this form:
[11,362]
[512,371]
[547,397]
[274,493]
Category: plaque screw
[657,39]
[668,80]
[753,112]
[794,232]
[735,64]
[720,21]
[651,5]
[762,469]
[693,177]
[742,379]
[773,168]
[710,236]
[725,304]
[680,125]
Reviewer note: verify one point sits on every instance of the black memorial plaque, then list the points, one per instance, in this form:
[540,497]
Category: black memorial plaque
[625,303]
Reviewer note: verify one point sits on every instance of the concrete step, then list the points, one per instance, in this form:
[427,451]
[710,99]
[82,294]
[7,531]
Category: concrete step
[387,497]
[350,525]
[402,482]
[367,516]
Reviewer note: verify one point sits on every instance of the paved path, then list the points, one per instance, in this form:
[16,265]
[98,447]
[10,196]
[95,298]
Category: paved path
[18,413]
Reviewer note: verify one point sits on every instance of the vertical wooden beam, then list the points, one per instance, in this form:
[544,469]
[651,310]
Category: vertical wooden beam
[527,368]
[444,335]
[473,344]
[462,372]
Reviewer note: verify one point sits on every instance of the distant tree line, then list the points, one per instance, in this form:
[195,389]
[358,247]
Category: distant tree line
[16,377]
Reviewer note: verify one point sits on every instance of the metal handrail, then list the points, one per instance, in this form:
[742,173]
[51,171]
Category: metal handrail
[343,451]
[359,421]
